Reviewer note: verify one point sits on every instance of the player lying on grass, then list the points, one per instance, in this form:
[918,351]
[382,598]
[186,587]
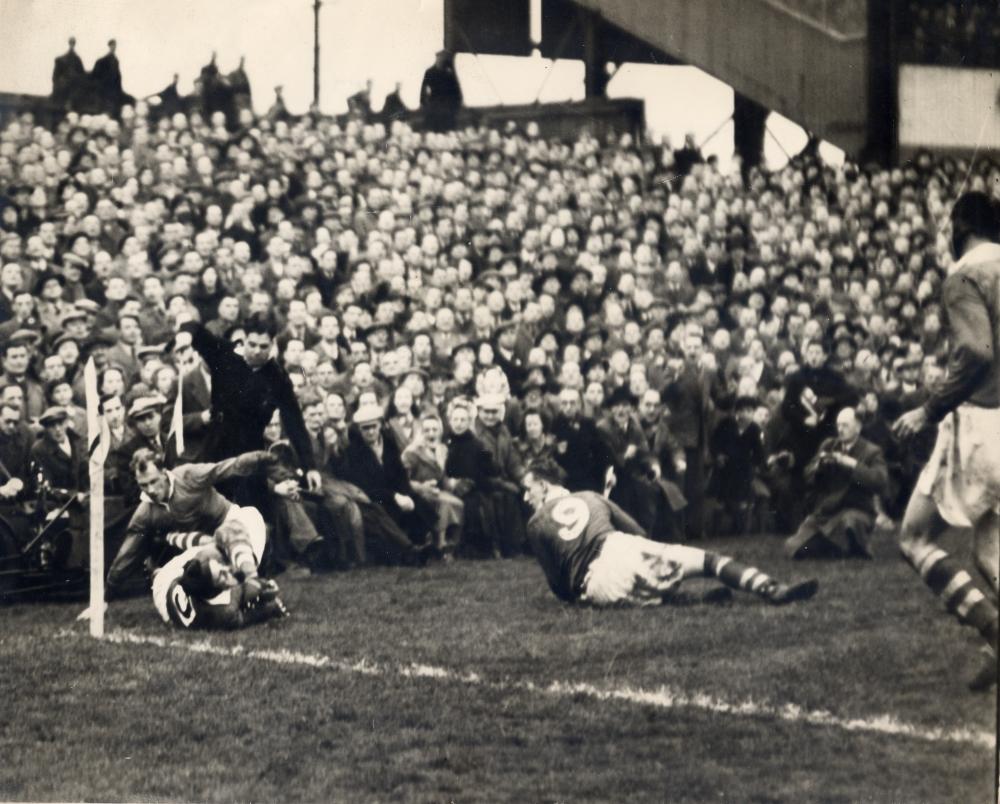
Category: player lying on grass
[593,552]
[182,499]
[214,582]
[179,508]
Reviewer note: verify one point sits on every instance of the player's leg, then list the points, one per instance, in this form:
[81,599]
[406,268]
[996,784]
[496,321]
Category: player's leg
[987,550]
[695,562]
[943,574]
[243,536]
[987,555]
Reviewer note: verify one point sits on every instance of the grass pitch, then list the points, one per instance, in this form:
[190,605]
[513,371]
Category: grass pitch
[453,683]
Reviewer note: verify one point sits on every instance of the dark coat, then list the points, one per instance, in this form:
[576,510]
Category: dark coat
[580,453]
[836,488]
[833,394]
[469,459]
[15,455]
[62,471]
[737,456]
[244,399]
[196,398]
[382,480]
[690,401]
[842,503]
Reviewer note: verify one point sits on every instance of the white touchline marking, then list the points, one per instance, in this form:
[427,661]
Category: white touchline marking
[661,698]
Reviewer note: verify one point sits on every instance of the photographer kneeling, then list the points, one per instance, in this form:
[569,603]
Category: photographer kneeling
[843,480]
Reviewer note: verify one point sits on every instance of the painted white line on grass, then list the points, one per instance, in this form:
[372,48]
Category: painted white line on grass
[661,698]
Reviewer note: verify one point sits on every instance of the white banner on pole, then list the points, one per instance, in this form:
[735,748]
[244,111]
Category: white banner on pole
[98,442]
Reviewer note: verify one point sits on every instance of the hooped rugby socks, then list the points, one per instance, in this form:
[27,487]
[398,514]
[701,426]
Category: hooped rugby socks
[954,586]
[738,576]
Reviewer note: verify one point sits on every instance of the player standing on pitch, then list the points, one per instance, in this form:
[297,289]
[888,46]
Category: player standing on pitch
[960,486]
[593,552]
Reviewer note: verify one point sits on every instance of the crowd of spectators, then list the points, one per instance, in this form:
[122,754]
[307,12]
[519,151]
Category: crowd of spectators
[452,306]
[953,33]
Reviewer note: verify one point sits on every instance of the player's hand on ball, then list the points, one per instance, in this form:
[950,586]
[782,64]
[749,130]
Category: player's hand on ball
[405,503]
[252,588]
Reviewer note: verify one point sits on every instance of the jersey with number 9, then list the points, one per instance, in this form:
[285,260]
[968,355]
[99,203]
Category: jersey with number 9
[567,533]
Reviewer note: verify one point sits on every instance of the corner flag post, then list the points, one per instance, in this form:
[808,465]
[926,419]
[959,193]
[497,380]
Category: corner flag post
[99,441]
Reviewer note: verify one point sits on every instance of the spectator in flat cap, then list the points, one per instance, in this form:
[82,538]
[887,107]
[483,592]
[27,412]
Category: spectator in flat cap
[61,457]
[373,462]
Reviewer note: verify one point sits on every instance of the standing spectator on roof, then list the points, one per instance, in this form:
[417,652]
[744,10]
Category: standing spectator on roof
[440,93]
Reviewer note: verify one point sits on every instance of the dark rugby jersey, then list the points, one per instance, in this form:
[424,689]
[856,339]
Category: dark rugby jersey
[566,534]
[970,297]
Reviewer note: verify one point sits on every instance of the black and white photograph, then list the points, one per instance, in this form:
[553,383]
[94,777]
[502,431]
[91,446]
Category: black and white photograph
[499,401]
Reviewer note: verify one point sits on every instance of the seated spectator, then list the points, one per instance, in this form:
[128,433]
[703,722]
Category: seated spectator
[425,460]
[474,472]
[373,462]
[844,478]
[507,497]
[533,442]
[737,448]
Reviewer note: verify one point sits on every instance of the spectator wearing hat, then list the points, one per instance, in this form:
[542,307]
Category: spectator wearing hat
[196,397]
[15,360]
[373,462]
[59,454]
[496,437]
[846,475]
[61,460]
[51,306]
[737,450]
[74,322]
[59,393]
[75,270]
[145,418]
[627,456]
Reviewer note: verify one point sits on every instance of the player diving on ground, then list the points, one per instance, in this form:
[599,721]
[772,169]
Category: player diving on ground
[593,552]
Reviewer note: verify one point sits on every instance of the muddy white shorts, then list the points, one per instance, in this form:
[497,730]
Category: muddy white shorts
[963,473]
[632,570]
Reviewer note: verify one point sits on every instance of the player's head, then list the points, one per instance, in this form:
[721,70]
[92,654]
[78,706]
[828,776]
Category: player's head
[206,575]
[542,477]
[150,474]
[259,340]
[975,215]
